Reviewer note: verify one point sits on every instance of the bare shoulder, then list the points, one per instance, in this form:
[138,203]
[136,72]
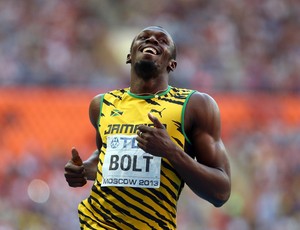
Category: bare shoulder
[94,109]
[202,112]
[204,97]
[203,103]
[95,102]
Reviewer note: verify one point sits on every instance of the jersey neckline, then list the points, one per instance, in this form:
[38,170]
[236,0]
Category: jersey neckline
[156,95]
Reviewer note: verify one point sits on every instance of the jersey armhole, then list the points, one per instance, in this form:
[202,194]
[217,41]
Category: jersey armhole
[183,113]
[101,103]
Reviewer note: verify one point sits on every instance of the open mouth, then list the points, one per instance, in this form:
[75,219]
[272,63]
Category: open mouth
[149,50]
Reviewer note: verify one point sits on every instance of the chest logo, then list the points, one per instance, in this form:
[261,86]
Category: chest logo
[157,111]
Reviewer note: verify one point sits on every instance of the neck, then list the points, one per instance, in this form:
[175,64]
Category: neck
[152,83]
[139,86]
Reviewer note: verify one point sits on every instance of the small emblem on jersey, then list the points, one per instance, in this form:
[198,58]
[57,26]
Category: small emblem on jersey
[157,111]
[116,112]
[114,143]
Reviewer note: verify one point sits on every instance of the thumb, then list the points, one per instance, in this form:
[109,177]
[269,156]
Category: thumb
[75,157]
[156,122]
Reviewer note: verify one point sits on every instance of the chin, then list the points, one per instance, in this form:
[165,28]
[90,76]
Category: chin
[146,69]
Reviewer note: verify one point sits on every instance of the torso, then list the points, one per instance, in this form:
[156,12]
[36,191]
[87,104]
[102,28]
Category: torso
[123,189]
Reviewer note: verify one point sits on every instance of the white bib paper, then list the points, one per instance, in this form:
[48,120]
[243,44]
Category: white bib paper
[126,165]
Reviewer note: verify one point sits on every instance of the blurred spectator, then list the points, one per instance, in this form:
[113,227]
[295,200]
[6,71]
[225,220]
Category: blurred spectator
[228,46]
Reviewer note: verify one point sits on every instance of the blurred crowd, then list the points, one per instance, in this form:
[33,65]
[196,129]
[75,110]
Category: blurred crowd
[265,193]
[223,45]
[227,46]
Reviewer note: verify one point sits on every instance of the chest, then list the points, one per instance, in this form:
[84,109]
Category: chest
[124,116]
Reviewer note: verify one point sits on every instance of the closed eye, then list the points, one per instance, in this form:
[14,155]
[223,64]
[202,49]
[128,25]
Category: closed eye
[142,37]
[163,41]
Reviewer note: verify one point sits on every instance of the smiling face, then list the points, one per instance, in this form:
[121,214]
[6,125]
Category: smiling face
[152,52]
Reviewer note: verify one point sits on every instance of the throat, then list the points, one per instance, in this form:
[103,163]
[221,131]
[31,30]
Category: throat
[146,69]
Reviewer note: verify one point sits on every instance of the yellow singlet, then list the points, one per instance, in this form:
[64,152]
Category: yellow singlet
[133,189]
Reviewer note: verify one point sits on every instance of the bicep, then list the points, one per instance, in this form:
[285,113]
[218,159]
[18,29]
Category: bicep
[203,117]
[210,151]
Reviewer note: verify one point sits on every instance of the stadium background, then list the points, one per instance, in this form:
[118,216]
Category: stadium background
[56,55]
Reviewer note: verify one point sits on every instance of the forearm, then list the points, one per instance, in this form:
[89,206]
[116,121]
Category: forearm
[211,184]
[90,165]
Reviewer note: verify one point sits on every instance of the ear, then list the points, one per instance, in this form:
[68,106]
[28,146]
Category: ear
[172,65]
[128,60]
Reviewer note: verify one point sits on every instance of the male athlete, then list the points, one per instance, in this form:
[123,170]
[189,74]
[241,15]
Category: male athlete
[152,138]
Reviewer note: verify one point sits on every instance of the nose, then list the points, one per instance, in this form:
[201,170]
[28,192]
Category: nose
[152,39]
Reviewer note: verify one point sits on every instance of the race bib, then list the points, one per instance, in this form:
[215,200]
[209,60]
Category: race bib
[126,165]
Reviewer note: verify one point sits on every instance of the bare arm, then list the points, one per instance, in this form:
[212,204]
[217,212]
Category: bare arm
[90,165]
[209,175]
[76,171]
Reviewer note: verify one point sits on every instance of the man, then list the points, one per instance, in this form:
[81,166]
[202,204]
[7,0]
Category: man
[151,139]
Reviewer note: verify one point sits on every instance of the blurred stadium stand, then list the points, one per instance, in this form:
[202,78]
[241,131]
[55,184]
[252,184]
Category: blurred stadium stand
[55,56]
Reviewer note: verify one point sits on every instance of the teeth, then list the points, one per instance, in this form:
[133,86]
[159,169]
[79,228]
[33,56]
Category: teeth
[149,50]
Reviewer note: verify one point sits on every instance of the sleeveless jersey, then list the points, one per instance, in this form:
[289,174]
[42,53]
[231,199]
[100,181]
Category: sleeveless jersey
[133,189]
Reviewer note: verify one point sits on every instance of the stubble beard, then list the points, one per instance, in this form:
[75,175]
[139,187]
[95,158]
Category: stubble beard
[146,69]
